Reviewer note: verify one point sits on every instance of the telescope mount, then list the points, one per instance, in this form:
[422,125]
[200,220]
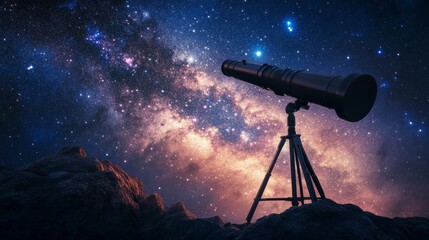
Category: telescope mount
[298,163]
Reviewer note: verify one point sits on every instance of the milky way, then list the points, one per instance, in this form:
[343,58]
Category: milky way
[139,84]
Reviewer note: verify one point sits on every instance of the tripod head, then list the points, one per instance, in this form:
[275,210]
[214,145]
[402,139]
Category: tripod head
[291,108]
[298,104]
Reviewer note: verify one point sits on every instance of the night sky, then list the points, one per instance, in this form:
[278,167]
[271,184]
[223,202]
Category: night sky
[138,83]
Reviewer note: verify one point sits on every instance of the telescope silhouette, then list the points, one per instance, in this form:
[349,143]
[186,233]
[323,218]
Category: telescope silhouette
[352,96]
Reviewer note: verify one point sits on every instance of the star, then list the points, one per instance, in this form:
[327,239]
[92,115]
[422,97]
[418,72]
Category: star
[289,25]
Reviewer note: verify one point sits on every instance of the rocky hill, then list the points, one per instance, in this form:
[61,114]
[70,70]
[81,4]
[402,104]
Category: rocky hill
[69,195]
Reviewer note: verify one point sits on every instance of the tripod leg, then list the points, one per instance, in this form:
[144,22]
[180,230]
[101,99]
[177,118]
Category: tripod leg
[313,175]
[293,170]
[298,146]
[301,191]
[265,181]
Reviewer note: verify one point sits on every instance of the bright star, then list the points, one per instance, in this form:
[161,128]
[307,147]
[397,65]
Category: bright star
[191,59]
[30,67]
[289,25]
[258,53]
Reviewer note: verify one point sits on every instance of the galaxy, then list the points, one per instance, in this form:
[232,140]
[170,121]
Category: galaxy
[138,83]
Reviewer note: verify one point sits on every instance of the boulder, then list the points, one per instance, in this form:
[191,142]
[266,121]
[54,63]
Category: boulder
[69,196]
[326,219]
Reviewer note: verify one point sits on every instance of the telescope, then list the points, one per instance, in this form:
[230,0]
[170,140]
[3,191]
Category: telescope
[352,96]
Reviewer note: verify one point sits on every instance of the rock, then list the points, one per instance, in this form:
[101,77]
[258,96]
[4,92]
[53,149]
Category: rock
[69,195]
[178,211]
[402,228]
[152,205]
[200,228]
[72,151]
[326,219]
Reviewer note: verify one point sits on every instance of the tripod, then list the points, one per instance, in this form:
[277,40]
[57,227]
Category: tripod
[298,159]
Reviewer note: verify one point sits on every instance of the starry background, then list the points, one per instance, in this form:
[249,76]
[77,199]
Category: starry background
[139,83]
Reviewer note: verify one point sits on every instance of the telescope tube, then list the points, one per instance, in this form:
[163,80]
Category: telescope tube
[352,96]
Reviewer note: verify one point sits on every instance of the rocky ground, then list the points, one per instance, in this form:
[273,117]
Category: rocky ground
[69,195]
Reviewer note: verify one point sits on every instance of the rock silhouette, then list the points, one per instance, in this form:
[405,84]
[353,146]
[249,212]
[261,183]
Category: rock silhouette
[69,195]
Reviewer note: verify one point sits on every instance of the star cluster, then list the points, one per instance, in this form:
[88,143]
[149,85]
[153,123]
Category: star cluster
[139,83]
